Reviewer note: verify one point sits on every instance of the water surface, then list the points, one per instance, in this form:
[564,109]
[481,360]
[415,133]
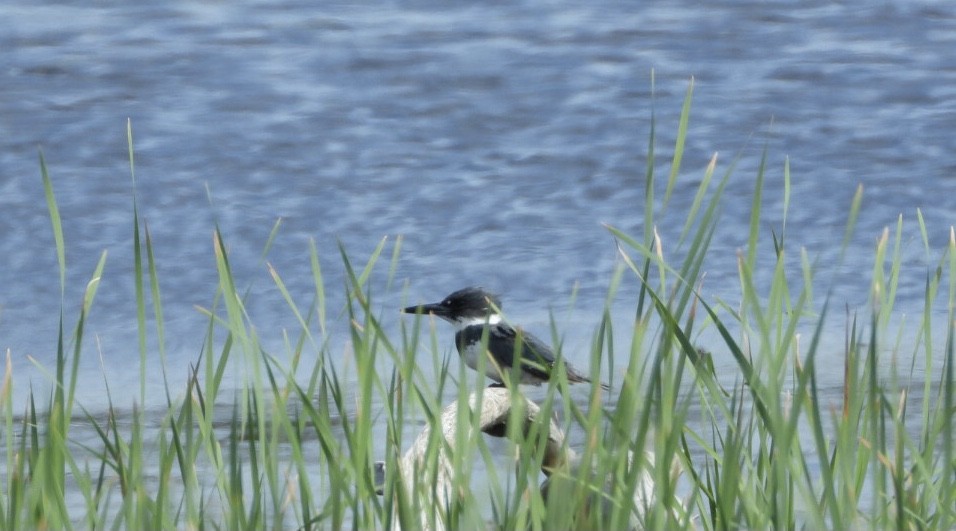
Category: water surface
[495,140]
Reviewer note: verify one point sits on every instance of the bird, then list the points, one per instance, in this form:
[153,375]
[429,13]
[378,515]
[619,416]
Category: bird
[473,311]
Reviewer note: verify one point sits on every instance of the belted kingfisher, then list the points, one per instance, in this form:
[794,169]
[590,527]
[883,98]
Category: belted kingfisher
[471,311]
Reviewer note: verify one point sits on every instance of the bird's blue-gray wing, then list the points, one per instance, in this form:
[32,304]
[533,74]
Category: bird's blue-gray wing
[536,357]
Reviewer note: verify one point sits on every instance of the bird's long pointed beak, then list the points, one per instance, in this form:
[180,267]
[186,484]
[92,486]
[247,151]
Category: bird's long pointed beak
[426,309]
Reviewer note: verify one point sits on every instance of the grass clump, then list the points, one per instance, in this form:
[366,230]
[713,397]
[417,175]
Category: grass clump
[671,446]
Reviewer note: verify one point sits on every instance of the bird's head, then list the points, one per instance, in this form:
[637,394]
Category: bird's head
[468,305]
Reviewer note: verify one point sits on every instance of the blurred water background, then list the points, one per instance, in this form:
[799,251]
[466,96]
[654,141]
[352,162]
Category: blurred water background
[495,139]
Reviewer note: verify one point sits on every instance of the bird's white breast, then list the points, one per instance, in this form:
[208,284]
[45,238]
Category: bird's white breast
[471,354]
[464,322]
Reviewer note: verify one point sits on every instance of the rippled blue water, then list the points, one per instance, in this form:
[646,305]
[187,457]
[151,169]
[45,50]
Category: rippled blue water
[495,139]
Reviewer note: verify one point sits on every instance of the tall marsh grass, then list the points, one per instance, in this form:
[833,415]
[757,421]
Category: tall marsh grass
[296,447]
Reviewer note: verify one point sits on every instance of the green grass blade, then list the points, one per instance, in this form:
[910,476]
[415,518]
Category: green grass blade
[55,222]
[851,221]
[680,141]
[755,212]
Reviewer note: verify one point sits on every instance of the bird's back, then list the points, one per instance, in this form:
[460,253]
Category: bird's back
[536,357]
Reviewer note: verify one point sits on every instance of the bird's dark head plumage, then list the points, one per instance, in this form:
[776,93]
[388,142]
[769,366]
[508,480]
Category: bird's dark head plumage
[466,304]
